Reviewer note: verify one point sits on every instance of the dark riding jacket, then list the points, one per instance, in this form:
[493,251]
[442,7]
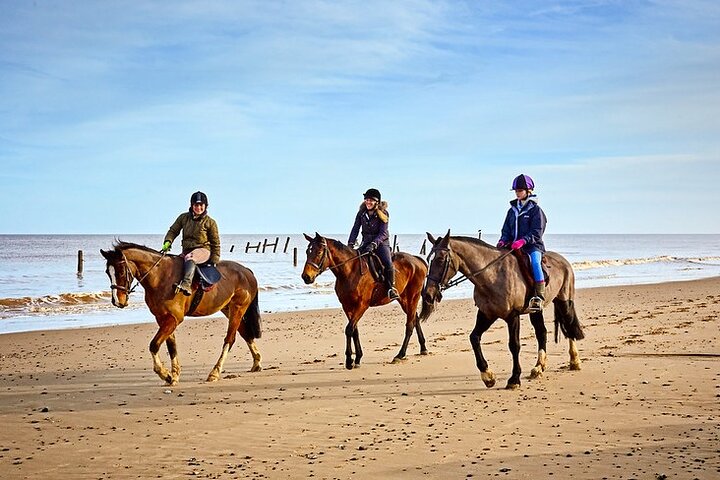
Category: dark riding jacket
[527,223]
[374,227]
[197,232]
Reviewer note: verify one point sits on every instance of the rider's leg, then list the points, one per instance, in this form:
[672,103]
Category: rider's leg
[185,285]
[383,251]
[536,302]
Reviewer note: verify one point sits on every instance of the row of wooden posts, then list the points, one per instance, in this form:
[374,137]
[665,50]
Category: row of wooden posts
[265,244]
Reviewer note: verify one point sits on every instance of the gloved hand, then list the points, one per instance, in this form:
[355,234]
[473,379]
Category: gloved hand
[518,244]
[165,247]
[370,247]
[501,244]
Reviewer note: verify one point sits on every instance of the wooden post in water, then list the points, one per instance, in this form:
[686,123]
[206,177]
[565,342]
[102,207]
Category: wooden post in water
[255,247]
[394,244]
[232,247]
[294,256]
[287,241]
[479,234]
[80,264]
[274,245]
[422,249]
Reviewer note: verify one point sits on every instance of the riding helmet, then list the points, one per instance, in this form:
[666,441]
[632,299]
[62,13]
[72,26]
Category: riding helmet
[373,193]
[198,197]
[523,182]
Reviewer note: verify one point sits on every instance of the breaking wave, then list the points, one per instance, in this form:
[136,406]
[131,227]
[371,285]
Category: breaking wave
[54,304]
[588,264]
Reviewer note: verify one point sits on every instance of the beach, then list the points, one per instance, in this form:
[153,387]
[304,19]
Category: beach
[85,403]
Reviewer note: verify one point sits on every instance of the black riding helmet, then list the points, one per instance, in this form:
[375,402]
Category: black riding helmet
[198,197]
[373,193]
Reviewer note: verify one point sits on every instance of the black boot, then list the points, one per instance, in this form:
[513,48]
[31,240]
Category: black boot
[390,283]
[536,302]
[185,286]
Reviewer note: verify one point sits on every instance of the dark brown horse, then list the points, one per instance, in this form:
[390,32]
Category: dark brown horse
[357,290]
[235,295]
[502,292]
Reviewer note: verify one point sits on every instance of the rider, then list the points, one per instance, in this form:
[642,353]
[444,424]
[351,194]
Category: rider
[523,229]
[200,239]
[373,217]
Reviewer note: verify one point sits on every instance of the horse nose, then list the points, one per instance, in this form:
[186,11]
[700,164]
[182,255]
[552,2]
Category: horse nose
[306,278]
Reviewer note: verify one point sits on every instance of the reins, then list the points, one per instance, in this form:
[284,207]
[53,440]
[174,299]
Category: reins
[319,265]
[462,278]
[128,276]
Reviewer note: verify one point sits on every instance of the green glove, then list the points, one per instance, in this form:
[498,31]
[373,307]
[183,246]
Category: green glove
[165,247]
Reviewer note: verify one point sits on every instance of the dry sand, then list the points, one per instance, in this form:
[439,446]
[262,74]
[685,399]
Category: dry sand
[646,405]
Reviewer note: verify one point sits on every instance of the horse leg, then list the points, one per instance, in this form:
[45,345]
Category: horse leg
[513,324]
[174,360]
[538,323]
[482,323]
[421,337]
[167,327]
[574,355]
[358,347]
[235,325]
[410,319]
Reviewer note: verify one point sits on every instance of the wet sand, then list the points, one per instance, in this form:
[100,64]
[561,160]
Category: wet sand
[646,404]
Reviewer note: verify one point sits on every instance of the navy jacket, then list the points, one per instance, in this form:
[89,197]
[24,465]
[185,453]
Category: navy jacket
[527,223]
[373,228]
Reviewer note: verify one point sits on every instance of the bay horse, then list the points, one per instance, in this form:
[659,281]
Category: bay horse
[235,295]
[357,290]
[501,291]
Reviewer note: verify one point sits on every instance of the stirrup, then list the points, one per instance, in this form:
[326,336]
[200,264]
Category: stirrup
[535,305]
[393,294]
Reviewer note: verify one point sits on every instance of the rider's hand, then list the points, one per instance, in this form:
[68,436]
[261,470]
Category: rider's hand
[370,247]
[501,244]
[518,244]
[165,247]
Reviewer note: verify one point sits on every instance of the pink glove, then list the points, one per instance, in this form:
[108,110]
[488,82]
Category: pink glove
[518,244]
[501,244]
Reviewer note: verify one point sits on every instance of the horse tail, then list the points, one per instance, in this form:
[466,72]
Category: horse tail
[252,318]
[426,310]
[566,320]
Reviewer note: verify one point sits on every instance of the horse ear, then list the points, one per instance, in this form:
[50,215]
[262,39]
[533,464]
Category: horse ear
[104,254]
[317,235]
[308,237]
[448,234]
[431,238]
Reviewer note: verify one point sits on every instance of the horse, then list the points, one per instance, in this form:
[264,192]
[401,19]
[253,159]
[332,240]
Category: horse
[357,290]
[501,291]
[235,295]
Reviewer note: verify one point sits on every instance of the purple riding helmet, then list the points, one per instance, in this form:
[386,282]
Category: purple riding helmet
[523,182]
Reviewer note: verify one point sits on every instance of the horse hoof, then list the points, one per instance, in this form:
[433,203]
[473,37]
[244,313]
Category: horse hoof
[536,372]
[349,366]
[212,378]
[575,366]
[424,352]
[398,359]
[256,368]
[512,386]
[488,378]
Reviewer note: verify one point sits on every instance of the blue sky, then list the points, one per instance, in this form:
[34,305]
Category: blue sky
[285,112]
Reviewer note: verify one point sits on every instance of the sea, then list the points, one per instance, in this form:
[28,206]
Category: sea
[44,286]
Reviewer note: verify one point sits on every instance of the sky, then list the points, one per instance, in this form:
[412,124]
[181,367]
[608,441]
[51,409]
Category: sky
[284,112]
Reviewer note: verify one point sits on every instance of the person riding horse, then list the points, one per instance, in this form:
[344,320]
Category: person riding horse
[200,239]
[374,218]
[523,230]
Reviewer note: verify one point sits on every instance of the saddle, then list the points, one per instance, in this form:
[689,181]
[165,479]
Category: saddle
[376,267]
[206,276]
[526,268]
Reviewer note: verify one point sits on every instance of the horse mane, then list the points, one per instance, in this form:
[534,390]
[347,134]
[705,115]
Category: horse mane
[474,241]
[121,246]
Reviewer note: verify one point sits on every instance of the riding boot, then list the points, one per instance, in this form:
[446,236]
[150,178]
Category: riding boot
[536,302]
[390,283]
[185,286]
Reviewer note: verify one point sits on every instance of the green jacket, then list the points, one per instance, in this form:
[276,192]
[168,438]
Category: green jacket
[200,232]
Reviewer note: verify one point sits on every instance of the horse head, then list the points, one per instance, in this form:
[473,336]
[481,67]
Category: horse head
[317,258]
[442,267]
[120,276]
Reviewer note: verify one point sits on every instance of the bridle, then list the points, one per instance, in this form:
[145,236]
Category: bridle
[129,276]
[319,266]
[441,281]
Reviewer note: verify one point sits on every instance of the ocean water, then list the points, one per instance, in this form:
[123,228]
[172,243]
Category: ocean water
[41,290]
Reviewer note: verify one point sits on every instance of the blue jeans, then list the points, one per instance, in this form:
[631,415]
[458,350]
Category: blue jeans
[535,260]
